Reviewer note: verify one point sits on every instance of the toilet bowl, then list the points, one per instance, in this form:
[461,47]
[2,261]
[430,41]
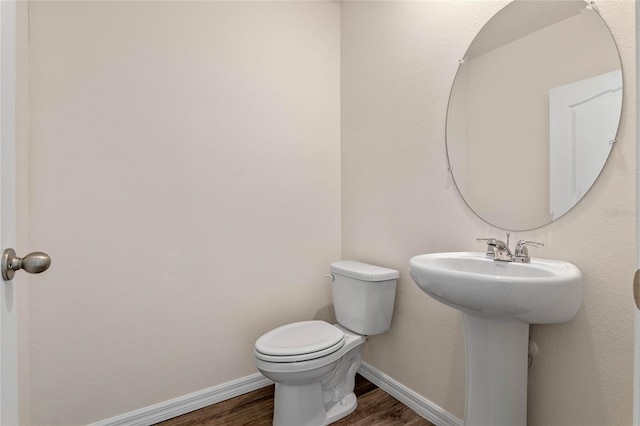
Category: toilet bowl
[313,390]
[314,363]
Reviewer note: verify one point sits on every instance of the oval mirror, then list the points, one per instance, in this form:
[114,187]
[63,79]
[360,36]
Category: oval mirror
[533,112]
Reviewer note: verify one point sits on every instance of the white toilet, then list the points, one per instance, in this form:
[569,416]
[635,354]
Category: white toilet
[314,363]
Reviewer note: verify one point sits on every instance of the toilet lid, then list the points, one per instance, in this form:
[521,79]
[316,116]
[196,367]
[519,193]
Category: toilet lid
[299,341]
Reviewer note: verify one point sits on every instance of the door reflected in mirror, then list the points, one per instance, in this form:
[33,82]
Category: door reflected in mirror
[533,112]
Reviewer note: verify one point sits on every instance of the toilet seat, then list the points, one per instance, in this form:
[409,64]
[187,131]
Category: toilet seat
[299,341]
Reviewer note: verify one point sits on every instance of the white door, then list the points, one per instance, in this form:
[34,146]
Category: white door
[8,308]
[636,367]
[13,288]
[583,121]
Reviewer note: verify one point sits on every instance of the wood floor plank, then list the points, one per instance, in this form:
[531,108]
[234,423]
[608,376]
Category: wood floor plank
[375,407]
[253,408]
[379,408]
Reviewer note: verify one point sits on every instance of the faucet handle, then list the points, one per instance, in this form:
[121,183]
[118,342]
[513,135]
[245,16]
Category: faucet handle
[524,243]
[522,253]
[485,240]
[494,242]
[496,249]
[490,242]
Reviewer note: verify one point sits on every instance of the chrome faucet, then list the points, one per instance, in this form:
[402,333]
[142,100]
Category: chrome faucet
[499,250]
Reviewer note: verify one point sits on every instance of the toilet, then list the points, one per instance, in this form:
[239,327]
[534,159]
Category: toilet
[314,363]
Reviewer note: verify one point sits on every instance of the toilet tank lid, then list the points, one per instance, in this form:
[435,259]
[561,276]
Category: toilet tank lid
[363,271]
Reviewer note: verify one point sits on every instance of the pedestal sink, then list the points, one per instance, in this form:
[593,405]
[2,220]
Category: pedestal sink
[498,301]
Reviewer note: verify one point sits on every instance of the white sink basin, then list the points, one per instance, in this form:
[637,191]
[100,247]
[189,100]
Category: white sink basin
[540,292]
[498,301]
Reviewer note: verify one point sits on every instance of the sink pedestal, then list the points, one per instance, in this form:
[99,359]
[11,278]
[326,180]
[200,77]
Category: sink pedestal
[498,301]
[496,354]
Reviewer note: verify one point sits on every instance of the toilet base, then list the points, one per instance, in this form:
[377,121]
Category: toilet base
[303,406]
[342,409]
[327,398]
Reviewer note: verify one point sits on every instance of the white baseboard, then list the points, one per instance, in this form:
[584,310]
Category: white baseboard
[194,401]
[417,403]
[187,403]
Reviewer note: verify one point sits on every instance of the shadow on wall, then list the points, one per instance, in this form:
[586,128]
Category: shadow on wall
[326,313]
[551,372]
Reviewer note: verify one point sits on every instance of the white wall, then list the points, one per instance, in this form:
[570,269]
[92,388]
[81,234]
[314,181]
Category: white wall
[184,173]
[398,63]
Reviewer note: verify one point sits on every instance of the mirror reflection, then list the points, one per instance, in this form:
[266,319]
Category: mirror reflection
[533,112]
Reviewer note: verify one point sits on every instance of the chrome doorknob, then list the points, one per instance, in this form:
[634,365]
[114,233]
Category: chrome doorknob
[33,263]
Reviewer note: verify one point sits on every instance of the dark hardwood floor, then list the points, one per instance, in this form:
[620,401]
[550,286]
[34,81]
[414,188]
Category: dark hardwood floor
[375,407]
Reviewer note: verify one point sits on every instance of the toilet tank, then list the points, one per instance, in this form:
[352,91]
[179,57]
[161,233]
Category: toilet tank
[363,296]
